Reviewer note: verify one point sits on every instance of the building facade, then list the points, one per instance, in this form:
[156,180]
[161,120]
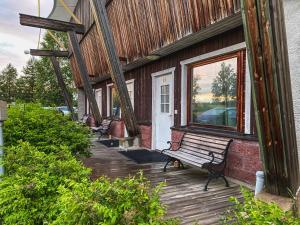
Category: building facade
[186,70]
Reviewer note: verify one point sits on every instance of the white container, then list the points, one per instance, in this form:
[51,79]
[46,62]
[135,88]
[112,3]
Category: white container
[260,177]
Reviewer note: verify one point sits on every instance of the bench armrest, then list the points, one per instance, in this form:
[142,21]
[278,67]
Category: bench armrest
[171,143]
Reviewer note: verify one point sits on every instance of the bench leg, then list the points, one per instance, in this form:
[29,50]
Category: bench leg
[225,180]
[165,168]
[208,181]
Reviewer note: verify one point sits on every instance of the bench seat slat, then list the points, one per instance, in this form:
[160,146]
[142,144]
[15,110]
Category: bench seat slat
[208,140]
[200,152]
[199,142]
[208,137]
[203,147]
[201,155]
[186,157]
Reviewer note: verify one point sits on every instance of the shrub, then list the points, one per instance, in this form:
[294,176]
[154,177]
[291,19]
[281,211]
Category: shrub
[122,202]
[45,184]
[252,211]
[44,128]
[29,189]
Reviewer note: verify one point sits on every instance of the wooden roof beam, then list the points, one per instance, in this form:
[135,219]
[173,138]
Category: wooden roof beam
[115,68]
[272,93]
[45,23]
[37,52]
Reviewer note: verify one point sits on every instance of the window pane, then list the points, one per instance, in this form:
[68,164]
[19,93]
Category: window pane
[115,103]
[167,108]
[162,108]
[214,93]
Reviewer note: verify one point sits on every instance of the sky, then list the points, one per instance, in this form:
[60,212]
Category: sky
[14,38]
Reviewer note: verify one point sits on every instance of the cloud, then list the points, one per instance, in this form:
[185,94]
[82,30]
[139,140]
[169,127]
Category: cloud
[14,38]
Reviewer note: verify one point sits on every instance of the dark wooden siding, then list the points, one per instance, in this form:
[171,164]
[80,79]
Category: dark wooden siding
[141,27]
[143,80]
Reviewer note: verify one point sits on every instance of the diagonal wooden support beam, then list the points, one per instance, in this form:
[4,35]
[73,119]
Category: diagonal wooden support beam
[37,52]
[102,23]
[45,23]
[84,76]
[62,85]
[272,94]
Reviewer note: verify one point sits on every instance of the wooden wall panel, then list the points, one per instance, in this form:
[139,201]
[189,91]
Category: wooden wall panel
[143,79]
[142,26]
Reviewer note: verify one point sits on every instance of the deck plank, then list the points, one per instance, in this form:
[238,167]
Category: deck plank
[183,194]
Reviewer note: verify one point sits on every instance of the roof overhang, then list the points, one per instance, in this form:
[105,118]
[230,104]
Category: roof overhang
[59,13]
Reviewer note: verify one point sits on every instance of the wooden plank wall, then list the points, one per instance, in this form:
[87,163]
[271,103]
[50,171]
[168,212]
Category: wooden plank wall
[143,81]
[142,26]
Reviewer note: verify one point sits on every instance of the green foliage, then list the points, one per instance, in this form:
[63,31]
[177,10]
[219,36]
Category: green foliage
[45,129]
[38,82]
[29,189]
[45,184]
[8,78]
[252,211]
[122,202]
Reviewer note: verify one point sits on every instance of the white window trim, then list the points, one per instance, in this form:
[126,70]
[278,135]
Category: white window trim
[170,71]
[108,98]
[223,51]
[108,86]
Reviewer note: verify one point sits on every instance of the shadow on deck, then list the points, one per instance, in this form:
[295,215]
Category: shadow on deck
[183,195]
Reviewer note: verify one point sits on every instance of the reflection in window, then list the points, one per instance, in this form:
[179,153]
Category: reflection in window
[214,93]
[115,103]
[165,98]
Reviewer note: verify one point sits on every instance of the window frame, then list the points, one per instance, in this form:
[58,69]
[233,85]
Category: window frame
[240,103]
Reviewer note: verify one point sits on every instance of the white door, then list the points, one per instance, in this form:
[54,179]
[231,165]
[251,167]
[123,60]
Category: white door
[130,88]
[98,96]
[163,104]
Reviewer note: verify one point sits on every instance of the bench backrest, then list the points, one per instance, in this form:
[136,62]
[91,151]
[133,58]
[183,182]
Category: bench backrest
[106,123]
[199,145]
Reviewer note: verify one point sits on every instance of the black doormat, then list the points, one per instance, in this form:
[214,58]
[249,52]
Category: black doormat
[144,156]
[110,143]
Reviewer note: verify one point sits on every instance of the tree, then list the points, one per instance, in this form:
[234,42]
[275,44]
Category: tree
[224,85]
[8,77]
[26,84]
[39,83]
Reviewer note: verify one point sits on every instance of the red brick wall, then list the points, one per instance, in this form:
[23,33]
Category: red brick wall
[243,159]
[146,136]
[117,129]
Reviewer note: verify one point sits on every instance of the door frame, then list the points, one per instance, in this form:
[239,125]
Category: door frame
[171,72]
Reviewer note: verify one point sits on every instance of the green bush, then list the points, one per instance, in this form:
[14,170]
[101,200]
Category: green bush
[29,189]
[44,128]
[255,212]
[44,183]
[122,202]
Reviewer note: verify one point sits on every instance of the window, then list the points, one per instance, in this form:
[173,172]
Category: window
[165,98]
[216,94]
[114,101]
[115,105]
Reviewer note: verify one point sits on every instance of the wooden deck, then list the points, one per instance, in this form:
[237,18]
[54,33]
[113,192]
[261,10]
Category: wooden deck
[183,194]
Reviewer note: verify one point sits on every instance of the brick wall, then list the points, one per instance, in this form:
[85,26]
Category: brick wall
[146,136]
[243,159]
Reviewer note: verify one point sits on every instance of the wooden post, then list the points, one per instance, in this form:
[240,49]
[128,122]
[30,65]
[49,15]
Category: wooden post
[115,67]
[62,85]
[268,59]
[84,76]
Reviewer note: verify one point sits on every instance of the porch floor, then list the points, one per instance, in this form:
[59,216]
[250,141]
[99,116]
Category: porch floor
[183,194]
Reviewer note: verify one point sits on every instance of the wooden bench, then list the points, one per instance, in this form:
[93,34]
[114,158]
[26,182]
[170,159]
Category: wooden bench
[202,151]
[104,127]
